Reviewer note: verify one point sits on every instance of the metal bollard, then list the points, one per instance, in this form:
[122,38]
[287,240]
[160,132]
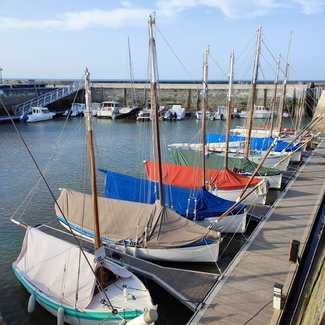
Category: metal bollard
[277,297]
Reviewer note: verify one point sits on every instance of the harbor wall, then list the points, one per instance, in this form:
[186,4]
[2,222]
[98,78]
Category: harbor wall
[188,94]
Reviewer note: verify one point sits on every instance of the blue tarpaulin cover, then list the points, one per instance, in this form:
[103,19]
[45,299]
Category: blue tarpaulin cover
[184,201]
[255,143]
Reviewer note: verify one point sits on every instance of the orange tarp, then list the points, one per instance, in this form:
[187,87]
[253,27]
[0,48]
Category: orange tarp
[191,177]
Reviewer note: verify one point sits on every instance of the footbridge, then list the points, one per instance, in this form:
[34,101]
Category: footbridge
[48,98]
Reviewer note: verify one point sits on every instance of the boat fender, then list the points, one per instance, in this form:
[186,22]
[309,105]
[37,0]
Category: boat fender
[31,303]
[150,315]
[125,293]
[293,251]
[60,318]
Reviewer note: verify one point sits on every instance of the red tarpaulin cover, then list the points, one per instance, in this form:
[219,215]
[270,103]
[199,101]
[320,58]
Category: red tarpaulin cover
[191,177]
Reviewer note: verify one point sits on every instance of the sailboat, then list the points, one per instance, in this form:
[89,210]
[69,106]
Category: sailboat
[222,182]
[264,135]
[194,203]
[184,156]
[150,231]
[249,160]
[132,109]
[77,286]
[273,157]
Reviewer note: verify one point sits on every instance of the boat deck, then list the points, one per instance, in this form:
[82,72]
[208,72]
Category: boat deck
[244,294]
[190,287]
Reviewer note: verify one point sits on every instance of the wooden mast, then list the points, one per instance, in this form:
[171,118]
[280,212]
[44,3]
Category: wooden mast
[285,80]
[276,80]
[204,106]
[302,105]
[253,93]
[89,128]
[154,101]
[297,112]
[231,78]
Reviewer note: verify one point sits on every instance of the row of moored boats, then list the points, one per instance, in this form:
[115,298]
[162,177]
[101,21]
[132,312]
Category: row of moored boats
[113,110]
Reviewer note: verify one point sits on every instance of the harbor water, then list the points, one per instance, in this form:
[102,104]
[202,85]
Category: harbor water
[58,147]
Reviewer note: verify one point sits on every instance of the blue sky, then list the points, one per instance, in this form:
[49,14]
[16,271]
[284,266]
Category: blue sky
[58,39]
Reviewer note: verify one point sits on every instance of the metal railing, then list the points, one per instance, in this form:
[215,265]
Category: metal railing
[48,98]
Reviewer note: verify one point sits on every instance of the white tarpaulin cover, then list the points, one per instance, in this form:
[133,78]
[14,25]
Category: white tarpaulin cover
[58,268]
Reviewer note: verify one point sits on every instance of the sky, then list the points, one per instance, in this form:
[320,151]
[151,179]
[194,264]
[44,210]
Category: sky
[58,39]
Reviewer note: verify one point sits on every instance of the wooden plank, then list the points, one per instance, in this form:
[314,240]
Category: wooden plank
[245,294]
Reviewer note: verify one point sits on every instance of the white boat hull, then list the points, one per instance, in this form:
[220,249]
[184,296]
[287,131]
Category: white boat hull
[37,114]
[275,181]
[96,312]
[109,109]
[208,253]
[255,133]
[107,114]
[177,112]
[229,224]
[271,160]
[296,157]
[39,118]
[198,115]
[233,195]
[259,112]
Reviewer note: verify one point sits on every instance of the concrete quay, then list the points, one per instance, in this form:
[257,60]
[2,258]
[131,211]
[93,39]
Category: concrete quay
[245,292]
[188,94]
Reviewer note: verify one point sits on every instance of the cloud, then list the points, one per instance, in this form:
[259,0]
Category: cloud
[230,8]
[310,7]
[170,8]
[74,21]
[241,9]
[131,16]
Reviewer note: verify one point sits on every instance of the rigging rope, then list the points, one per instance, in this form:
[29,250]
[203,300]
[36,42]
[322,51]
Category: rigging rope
[52,195]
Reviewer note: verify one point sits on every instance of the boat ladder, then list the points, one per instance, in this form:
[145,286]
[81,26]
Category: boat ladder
[48,98]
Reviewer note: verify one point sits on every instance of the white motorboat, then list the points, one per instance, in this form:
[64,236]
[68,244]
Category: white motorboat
[38,113]
[176,112]
[146,113]
[198,115]
[129,111]
[260,111]
[220,114]
[109,109]
[77,109]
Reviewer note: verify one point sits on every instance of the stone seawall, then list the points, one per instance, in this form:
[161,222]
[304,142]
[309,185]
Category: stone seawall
[189,95]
